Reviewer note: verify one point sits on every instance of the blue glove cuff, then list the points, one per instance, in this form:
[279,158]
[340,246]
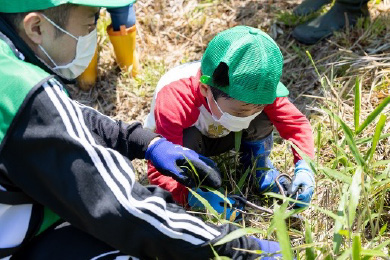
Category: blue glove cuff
[301,165]
[149,151]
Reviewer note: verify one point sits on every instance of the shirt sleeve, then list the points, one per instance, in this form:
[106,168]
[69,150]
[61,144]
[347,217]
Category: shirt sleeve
[131,140]
[292,125]
[175,110]
[52,156]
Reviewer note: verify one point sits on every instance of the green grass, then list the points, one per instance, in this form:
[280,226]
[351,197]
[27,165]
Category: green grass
[360,185]
[349,214]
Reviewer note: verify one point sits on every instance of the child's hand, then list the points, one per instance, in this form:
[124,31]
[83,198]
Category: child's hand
[174,161]
[304,179]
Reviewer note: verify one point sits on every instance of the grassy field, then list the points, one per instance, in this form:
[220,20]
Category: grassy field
[341,84]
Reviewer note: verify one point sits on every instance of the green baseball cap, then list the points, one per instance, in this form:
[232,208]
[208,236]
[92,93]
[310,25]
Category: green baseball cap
[20,6]
[255,65]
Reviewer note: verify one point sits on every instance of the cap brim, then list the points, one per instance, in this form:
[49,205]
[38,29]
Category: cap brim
[103,3]
[281,90]
[34,5]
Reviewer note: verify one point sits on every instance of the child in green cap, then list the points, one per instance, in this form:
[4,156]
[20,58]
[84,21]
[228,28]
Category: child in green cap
[234,88]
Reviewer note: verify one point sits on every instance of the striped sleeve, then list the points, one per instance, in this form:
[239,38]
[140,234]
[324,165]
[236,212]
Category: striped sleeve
[94,187]
[64,166]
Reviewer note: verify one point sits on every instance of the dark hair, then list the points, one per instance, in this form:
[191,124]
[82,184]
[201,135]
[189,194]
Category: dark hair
[221,79]
[59,15]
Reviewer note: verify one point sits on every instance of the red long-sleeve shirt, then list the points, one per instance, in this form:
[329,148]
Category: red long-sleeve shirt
[178,104]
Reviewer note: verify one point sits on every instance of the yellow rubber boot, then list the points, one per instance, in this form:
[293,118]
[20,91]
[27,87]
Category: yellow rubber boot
[88,78]
[124,48]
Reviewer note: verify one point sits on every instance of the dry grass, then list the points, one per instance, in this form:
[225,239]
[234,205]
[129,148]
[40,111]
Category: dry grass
[177,31]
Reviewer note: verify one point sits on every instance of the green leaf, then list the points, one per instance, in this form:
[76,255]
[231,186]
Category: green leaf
[238,233]
[358,87]
[205,203]
[193,169]
[282,233]
[354,195]
[349,138]
[369,139]
[217,257]
[373,114]
[310,254]
[337,237]
[326,212]
[371,252]
[219,194]
[356,247]
[306,158]
[383,229]
[380,163]
[384,244]
[345,255]
[375,139]
[242,181]
[237,141]
[337,175]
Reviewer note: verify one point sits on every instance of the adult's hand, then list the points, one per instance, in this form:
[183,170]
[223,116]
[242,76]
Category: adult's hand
[175,161]
[269,249]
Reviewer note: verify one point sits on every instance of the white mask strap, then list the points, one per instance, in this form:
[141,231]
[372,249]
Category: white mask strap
[59,28]
[47,55]
[215,101]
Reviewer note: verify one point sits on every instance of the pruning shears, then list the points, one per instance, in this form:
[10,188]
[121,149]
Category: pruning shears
[284,189]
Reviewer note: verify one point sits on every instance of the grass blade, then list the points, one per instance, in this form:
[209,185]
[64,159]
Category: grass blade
[337,238]
[281,232]
[318,208]
[219,194]
[310,254]
[336,175]
[380,163]
[354,193]
[216,256]
[375,139]
[357,103]
[356,247]
[238,233]
[237,141]
[205,203]
[373,114]
[369,139]
[242,180]
[349,138]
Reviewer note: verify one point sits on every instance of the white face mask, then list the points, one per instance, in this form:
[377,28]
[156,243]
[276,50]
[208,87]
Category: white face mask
[85,50]
[232,123]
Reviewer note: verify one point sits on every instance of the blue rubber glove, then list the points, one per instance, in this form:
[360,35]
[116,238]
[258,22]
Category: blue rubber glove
[303,179]
[216,202]
[260,150]
[171,160]
[266,178]
[268,247]
[122,16]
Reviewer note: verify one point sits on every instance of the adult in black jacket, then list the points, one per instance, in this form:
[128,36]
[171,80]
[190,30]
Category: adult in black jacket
[67,186]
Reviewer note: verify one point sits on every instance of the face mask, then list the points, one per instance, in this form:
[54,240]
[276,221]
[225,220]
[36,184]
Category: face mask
[85,51]
[232,123]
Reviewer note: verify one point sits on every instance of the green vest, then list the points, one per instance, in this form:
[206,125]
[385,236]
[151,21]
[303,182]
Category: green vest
[17,79]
